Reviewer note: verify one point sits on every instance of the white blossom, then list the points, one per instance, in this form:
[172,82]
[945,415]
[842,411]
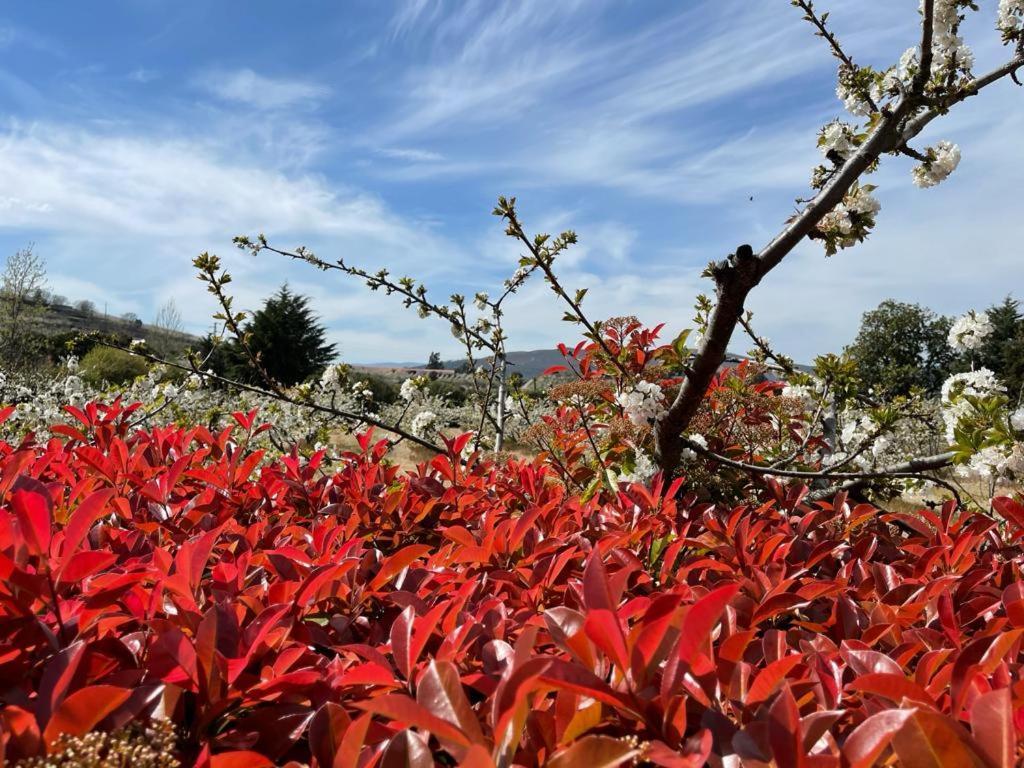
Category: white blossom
[959,386]
[1010,17]
[644,404]
[422,423]
[409,390]
[332,376]
[1017,419]
[838,138]
[644,469]
[969,331]
[853,102]
[944,157]
[481,301]
[688,454]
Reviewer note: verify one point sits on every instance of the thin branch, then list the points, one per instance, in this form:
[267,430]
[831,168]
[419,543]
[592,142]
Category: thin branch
[904,469]
[543,262]
[837,50]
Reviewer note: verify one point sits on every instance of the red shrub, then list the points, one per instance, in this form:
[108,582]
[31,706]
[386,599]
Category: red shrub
[477,614]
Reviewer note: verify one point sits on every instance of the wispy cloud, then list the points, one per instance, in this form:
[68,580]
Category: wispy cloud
[410,154]
[244,86]
[143,75]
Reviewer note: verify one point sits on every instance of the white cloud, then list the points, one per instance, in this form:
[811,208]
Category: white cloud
[410,154]
[244,86]
[143,75]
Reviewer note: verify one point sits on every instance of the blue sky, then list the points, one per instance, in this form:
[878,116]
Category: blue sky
[137,133]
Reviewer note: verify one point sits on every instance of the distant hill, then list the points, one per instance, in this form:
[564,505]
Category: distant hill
[530,364]
[61,318]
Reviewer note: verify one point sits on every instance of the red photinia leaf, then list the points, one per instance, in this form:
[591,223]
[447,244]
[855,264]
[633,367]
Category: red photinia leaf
[19,733]
[993,728]
[83,709]
[406,712]
[440,691]
[326,730]
[594,751]
[769,678]
[241,758]
[397,563]
[603,629]
[82,519]
[871,738]
[701,619]
[35,519]
[407,749]
[1012,511]
[932,740]
[893,687]
[1013,600]
[81,565]
[784,734]
[352,743]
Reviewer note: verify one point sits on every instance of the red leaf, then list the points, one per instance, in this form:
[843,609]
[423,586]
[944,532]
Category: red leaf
[35,519]
[784,734]
[594,751]
[769,678]
[407,712]
[701,619]
[241,758]
[439,690]
[866,743]
[397,563]
[82,710]
[992,725]
[893,687]
[81,565]
[82,519]
[931,740]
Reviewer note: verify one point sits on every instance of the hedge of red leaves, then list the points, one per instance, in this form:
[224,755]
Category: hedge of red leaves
[478,615]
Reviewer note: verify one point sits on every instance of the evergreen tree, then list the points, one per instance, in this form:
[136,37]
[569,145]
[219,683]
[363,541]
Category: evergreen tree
[1003,351]
[286,337]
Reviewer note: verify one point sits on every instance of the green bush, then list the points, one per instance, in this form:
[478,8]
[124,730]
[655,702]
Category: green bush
[104,365]
[456,392]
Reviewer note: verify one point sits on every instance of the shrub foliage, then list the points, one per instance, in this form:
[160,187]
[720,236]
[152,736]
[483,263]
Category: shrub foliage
[478,613]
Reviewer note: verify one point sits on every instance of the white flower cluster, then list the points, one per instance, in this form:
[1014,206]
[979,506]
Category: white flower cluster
[839,223]
[481,300]
[1017,419]
[994,462]
[969,331]
[1011,18]
[411,389]
[950,51]
[853,102]
[688,454]
[332,377]
[943,159]
[862,436]
[958,387]
[809,395]
[837,138]
[423,423]
[644,404]
[644,469]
